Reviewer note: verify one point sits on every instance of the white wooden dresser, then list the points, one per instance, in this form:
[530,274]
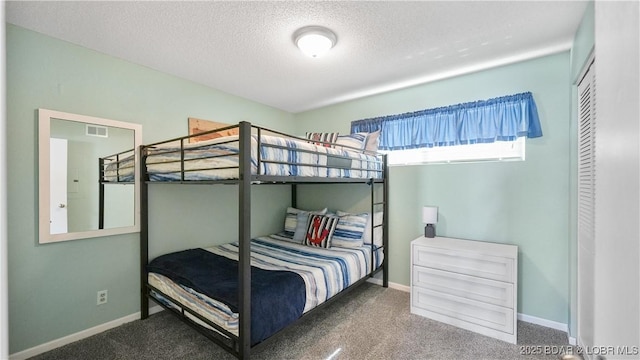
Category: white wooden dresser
[469,284]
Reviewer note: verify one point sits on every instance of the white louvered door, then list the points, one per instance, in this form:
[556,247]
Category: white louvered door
[586,206]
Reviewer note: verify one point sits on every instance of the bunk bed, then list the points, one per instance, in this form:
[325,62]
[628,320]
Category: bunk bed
[233,304]
[114,169]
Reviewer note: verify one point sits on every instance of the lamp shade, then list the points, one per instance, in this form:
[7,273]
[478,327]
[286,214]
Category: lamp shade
[430,214]
[314,41]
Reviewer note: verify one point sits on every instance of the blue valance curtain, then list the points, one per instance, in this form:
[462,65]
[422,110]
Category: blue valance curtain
[500,119]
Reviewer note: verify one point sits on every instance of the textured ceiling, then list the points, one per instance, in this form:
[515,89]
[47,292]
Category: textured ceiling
[246,48]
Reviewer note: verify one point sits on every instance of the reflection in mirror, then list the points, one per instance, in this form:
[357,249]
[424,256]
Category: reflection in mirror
[76,148]
[88,183]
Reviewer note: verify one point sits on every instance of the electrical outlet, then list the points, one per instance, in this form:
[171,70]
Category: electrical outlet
[102,297]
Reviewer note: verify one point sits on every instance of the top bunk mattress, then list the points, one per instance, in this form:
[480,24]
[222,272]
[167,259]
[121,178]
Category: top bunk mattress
[217,159]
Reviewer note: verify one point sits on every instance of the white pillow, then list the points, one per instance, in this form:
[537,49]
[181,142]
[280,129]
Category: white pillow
[373,140]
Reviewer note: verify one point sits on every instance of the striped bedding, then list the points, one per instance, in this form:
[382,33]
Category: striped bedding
[121,171]
[325,272]
[303,158]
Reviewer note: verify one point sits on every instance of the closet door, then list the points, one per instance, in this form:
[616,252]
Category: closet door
[586,206]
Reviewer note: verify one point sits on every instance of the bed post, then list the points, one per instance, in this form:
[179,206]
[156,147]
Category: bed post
[385,221]
[244,239]
[101,193]
[144,233]
[372,225]
[294,195]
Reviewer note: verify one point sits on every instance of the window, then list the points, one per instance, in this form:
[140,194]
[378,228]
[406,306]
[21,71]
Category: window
[496,151]
[483,130]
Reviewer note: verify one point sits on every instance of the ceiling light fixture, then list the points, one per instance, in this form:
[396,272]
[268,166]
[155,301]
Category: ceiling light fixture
[314,41]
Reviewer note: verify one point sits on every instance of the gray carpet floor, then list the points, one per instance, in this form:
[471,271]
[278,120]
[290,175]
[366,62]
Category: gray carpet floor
[370,323]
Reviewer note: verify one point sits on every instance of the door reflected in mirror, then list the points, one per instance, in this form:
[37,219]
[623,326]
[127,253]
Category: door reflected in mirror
[88,183]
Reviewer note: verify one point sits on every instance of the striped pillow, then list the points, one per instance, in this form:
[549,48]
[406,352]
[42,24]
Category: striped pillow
[377,231]
[320,230]
[356,140]
[350,230]
[324,137]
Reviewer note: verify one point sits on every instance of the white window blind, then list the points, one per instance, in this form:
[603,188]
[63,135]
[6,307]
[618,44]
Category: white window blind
[496,151]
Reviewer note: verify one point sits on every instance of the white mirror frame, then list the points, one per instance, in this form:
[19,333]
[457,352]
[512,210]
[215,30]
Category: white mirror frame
[44,132]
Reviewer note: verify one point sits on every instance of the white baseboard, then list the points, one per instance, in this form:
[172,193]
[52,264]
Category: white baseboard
[42,348]
[550,324]
[543,322]
[392,285]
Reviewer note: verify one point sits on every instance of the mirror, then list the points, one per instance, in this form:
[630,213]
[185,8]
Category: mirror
[88,176]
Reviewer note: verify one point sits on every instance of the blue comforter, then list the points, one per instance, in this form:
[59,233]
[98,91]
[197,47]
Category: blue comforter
[277,297]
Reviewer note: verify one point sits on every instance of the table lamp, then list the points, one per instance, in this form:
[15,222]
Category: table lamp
[429,217]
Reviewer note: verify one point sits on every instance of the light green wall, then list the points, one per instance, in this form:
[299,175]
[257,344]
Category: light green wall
[583,45]
[521,203]
[52,288]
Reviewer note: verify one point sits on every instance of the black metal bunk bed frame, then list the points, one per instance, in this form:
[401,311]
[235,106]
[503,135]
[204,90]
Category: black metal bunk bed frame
[240,346]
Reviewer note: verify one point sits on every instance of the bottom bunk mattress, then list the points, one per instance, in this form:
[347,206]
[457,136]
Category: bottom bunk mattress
[287,280]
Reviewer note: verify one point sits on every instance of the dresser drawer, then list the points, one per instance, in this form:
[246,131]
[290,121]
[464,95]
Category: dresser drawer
[465,262]
[456,310]
[470,287]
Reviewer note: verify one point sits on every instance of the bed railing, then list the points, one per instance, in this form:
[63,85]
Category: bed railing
[180,158]
[118,167]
